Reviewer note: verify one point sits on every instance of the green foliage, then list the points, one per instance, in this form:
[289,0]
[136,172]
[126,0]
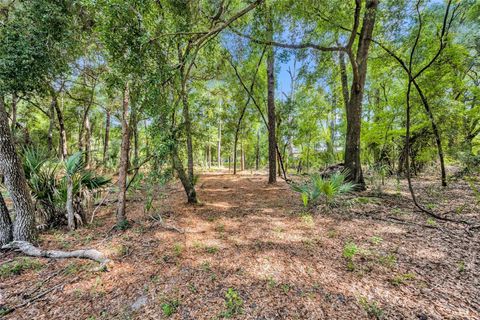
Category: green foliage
[170,307]
[233,303]
[328,188]
[349,251]
[49,183]
[402,279]
[18,266]
[371,307]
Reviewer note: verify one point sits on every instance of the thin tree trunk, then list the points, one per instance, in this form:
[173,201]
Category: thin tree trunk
[219,145]
[344,79]
[6,235]
[436,133]
[106,138]
[61,127]
[257,151]
[70,209]
[242,157]
[135,141]
[51,126]
[188,131]
[11,168]
[272,156]
[88,146]
[123,167]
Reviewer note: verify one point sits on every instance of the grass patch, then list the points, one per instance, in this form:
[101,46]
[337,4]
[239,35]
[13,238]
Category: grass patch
[19,266]
[170,307]
[233,304]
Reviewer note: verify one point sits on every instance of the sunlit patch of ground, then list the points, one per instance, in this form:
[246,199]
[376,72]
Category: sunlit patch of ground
[373,256]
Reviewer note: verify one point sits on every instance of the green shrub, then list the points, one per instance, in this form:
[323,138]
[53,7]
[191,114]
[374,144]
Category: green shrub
[170,307]
[328,188]
[233,303]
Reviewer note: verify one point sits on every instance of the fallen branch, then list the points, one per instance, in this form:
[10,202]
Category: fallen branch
[30,250]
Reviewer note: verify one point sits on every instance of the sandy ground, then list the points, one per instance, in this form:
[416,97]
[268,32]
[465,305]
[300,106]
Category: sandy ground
[280,262]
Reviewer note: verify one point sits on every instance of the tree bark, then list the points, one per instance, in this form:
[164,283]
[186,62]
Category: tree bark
[354,109]
[61,127]
[123,166]
[186,182]
[272,155]
[344,79]
[6,235]
[14,114]
[11,168]
[106,138]
[51,126]
[70,209]
[257,151]
[88,146]
[219,145]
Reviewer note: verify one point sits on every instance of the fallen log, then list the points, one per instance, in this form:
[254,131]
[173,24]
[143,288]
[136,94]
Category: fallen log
[30,250]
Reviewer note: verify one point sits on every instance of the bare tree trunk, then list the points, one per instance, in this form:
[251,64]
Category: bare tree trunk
[11,168]
[344,79]
[88,146]
[242,157]
[135,140]
[5,223]
[354,109]
[51,126]
[219,146]
[188,131]
[272,155]
[257,151]
[123,167]
[70,209]
[61,127]
[106,138]
[186,183]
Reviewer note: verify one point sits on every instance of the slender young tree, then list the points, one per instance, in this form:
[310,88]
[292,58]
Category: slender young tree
[123,166]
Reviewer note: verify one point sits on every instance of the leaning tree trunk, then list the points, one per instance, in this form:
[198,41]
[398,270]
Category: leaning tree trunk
[5,223]
[51,126]
[186,182]
[272,155]
[188,130]
[123,167]
[88,146]
[354,109]
[11,168]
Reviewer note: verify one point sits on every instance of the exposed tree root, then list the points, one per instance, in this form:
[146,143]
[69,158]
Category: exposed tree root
[30,250]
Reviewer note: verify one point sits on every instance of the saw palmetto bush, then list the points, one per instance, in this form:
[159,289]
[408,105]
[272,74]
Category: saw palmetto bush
[49,179]
[326,189]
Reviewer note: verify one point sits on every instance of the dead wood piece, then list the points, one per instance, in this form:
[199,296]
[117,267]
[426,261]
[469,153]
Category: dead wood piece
[30,250]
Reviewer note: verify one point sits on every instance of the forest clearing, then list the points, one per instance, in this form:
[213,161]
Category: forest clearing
[239,159]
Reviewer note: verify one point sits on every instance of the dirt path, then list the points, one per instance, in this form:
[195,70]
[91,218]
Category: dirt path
[280,264]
